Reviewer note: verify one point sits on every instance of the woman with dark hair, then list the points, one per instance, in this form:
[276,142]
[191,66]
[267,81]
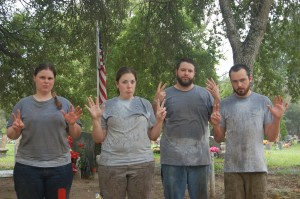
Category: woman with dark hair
[44,121]
[125,125]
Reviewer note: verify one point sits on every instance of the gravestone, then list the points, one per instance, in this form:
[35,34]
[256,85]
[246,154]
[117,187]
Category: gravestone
[212,142]
[88,150]
[268,146]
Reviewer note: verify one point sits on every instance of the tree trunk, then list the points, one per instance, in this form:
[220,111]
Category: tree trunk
[245,52]
[3,141]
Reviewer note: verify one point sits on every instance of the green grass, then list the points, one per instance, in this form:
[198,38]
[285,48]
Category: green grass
[285,161]
[7,162]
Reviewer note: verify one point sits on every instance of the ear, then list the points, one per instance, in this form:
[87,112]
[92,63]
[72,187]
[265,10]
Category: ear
[250,78]
[116,84]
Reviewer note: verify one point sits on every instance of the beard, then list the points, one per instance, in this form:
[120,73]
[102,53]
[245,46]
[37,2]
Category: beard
[184,83]
[242,92]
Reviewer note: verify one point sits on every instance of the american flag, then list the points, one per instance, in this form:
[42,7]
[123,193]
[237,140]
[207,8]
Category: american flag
[101,72]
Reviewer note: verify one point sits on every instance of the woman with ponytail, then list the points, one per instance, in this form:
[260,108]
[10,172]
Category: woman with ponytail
[44,120]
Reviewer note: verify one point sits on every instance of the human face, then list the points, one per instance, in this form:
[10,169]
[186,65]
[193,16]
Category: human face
[241,82]
[44,81]
[185,74]
[126,85]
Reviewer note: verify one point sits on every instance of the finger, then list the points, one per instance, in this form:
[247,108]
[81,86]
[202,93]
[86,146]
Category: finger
[213,81]
[157,104]
[87,107]
[103,107]
[158,87]
[91,102]
[18,114]
[78,110]
[97,101]
[214,108]
[163,87]
[286,105]
[163,103]
[71,108]
[14,116]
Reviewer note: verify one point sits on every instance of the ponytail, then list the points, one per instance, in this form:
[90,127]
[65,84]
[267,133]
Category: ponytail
[57,102]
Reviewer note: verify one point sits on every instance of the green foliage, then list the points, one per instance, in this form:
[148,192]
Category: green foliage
[147,35]
[277,69]
[292,116]
[225,88]
[7,162]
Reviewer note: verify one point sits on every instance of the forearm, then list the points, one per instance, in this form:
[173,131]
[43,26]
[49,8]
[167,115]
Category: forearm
[272,130]
[13,133]
[155,131]
[219,133]
[98,133]
[74,130]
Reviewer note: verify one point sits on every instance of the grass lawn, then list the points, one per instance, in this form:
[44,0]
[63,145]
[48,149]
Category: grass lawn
[7,162]
[285,161]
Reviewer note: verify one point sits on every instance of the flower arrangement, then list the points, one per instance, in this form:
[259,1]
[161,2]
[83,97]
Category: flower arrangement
[265,142]
[214,149]
[74,155]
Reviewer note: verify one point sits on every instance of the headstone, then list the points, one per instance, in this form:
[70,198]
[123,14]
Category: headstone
[268,146]
[212,142]
[88,150]
[280,145]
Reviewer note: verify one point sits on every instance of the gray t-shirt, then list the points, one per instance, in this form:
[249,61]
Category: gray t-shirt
[244,120]
[185,135]
[44,141]
[127,123]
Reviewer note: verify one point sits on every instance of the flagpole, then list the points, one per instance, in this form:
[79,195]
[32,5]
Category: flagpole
[97,56]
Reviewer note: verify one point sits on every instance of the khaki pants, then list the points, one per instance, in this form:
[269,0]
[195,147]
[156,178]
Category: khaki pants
[245,185]
[135,181]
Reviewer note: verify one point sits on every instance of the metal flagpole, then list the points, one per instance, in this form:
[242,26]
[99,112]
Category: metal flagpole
[97,56]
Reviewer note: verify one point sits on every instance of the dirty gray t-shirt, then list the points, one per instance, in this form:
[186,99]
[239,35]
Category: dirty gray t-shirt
[244,120]
[185,134]
[127,123]
[44,141]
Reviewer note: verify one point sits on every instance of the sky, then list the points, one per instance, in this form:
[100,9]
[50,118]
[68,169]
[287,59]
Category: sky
[225,64]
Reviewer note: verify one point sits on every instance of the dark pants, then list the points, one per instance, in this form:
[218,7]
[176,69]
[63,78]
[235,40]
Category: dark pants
[39,183]
[177,178]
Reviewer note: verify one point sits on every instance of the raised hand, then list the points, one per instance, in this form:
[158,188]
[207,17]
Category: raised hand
[213,88]
[18,124]
[215,118]
[160,93]
[73,115]
[160,111]
[94,109]
[279,107]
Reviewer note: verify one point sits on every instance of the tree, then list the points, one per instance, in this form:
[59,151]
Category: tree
[240,15]
[278,64]
[292,119]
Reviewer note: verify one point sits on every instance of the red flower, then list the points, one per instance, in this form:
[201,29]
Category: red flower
[74,155]
[81,145]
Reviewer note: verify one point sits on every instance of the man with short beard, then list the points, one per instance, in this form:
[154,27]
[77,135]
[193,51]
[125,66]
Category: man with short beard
[184,146]
[246,117]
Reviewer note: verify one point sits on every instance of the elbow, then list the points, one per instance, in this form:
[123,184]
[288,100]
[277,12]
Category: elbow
[219,140]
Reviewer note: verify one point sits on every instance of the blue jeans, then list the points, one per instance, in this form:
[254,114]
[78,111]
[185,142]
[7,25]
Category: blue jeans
[39,183]
[175,179]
